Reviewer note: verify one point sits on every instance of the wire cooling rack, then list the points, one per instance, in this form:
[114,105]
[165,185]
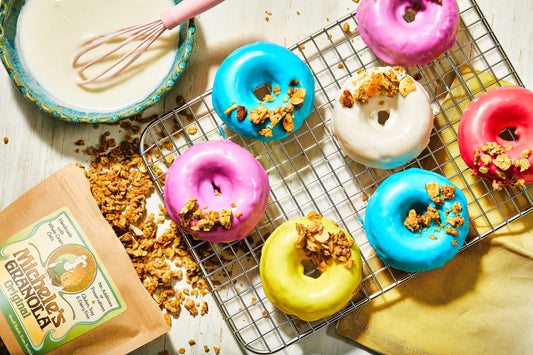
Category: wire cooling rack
[308,171]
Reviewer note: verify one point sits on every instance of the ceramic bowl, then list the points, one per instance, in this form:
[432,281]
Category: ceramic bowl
[30,88]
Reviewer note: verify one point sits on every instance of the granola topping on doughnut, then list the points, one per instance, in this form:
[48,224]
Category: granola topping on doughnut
[206,220]
[321,245]
[389,83]
[416,222]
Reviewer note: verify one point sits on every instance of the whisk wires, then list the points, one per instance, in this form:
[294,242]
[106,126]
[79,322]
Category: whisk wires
[145,33]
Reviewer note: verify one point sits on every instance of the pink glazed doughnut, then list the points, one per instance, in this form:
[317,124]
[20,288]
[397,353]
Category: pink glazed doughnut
[502,162]
[394,40]
[216,191]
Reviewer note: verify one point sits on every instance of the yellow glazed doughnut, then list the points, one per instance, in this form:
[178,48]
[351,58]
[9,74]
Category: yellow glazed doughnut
[282,272]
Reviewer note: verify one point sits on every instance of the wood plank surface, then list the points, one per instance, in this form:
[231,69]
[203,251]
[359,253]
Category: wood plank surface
[39,144]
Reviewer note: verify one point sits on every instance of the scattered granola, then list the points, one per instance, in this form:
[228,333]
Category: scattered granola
[483,170]
[297,97]
[497,186]
[259,115]
[433,189]
[346,99]
[522,163]
[448,192]
[503,161]
[190,305]
[120,184]
[288,123]
[492,148]
[486,160]
[346,27]
[455,221]
[241,113]
[267,132]
[450,230]
[231,108]
[411,221]
[321,246]
[407,84]
[268,98]
[192,130]
[204,308]
[476,157]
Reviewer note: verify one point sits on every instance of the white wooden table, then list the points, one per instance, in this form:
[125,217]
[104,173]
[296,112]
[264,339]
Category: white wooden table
[39,144]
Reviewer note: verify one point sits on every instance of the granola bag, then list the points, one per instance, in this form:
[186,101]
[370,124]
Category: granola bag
[67,285]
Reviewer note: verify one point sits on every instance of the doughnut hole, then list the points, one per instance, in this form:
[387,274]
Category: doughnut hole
[310,269]
[256,84]
[262,90]
[410,10]
[507,124]
[508,134]
[383,116]
[419,206]
[410,13]
[218,184]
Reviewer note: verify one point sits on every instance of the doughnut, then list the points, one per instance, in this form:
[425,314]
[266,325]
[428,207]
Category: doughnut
[382,117]
[500,161]
[331,249]
[216,191]
[416,220]
[389,29]
[278,113]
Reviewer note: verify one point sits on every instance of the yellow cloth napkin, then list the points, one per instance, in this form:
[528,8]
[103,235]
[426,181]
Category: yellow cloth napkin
[481,302]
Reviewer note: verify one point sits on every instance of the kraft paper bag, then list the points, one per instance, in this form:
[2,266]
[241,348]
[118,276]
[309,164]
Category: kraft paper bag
[67,285]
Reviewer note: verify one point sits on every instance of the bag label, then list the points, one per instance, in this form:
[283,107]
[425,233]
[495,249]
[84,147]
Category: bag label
[53,286]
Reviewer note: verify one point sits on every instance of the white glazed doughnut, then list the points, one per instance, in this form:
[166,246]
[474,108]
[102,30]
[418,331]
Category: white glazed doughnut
[389,121]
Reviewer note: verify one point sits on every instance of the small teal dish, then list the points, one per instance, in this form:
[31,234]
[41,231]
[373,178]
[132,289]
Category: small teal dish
[34,92]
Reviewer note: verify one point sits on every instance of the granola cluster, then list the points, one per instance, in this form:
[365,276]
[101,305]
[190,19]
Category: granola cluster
[415,222]
[120,184]
[284,114]
[196,218]
[321,246]
[369,84]
[493,154]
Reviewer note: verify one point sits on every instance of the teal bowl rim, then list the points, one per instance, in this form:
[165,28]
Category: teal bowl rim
[45,104]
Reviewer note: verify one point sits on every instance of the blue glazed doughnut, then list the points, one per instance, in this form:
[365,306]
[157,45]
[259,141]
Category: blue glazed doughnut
[250,67]
[423,249]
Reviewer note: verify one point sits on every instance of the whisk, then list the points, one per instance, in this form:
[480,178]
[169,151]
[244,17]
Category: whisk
[145,33]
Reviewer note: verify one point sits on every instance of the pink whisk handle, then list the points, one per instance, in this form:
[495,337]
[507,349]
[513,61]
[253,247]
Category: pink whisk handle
[186,10]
